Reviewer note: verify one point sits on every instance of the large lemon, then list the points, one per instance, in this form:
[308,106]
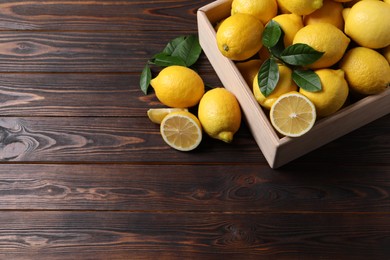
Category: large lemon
[366,71]
[368,24]
[334,92]
[300,7]
[178,86]
[239,36]
[263,10]
[290,24]
[330,12]
[326,38]
[220,114]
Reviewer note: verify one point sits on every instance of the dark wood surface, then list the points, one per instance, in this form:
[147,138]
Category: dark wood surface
[85,175]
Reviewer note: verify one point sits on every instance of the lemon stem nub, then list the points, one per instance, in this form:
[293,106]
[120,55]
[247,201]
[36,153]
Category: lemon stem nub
[225,48]
[227,137]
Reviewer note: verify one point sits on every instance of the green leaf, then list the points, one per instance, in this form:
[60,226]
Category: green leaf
[188,50]
[271,34]
[300,54]
[172,45]
[307,79]
[146,76]
[268,77]
[278,48]
[164,60]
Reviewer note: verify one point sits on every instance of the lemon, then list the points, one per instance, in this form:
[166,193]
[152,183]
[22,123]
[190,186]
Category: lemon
[263,10]
[239,36]
[300,7]
[386,53]
[368,24]
[330,12]
[178,86]
[220,114]
[367,72]
[293,114]
[285,84]
[333,95]
[181,130]
[249,69]
[156,115]
[326,38]
[290,24]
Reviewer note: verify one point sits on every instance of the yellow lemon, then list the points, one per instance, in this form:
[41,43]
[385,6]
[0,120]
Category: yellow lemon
[181,130]
[239,36]
[367,72]
[263,10]
[285,85]
[178,86]
[333,95]
[293,114]
[368,24]
[326,38]
[330,12]
[290,24]
[249,69]
[386,53]
[300,7]
[220,114]
[156,115]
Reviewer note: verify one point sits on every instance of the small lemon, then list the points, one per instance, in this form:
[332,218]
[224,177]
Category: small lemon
[367,72]
[249,69]
[368,24]
[178,86]
[326,38]
[239,36]
[220,114]
[285,85]
[263,10]
[300,7]
[334,92]
[290,24]
[330,12]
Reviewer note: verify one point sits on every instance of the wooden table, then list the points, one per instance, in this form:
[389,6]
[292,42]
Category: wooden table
[86,175]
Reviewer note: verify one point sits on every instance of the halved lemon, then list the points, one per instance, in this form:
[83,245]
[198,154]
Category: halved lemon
[156,115]
[181,130]
[293,114]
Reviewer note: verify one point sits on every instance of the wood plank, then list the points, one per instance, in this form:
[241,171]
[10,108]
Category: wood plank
[195,188]
[117,235]
[99,15]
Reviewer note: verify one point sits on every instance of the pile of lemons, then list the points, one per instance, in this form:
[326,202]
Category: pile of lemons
[353,35]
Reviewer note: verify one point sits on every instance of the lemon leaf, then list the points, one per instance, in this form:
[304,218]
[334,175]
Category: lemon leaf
[307,79]
[146,76]
[188,50]
[271,34]
[300,54]
[172,45]
[268,77]
[164,60]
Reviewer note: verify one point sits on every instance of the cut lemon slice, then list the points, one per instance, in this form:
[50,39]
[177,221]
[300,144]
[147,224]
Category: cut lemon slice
[293,114]
[181,130]
[156,115]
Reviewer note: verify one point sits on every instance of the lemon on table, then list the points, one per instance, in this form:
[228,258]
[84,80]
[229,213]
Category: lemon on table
[290,24]
[263,10]
[293,114]
[368,24]
[220,114]
[285,85]
[367,71]
[333,94]
[330,12]
[178,86]
[156,115]
[326,38]
[239,36]
[300,7]
[181,130]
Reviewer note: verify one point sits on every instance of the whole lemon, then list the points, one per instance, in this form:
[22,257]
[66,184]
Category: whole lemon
[290,24]
[367,72]
[368,24]
[300,7]
[330,12]
[178,86]
[326,38]
[220,114]
[239,36]
[285,85]
[334,92]
[263,10]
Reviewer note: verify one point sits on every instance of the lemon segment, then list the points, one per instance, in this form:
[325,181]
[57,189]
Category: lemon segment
[181,130]
[293,114]
[156,115]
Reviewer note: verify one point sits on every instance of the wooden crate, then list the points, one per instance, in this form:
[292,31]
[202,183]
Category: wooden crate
[280,150]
